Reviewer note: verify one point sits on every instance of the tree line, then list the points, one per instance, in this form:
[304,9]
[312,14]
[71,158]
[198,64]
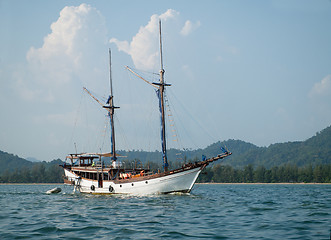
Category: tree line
[52,173]
[39,173]
[280,174]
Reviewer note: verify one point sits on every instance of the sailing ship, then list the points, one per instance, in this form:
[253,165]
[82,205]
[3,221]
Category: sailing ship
[89,173]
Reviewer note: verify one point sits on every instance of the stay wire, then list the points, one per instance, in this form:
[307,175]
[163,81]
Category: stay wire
[193,118]
[77,112]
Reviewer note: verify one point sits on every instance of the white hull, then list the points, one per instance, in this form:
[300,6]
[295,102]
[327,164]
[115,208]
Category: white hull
[182,181]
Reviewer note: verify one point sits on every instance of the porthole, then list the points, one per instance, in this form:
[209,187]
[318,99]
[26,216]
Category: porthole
[146,182]
[132,184]
[121,185]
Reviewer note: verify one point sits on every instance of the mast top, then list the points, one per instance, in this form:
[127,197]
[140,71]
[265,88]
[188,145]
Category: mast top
[110,75]
[161,57]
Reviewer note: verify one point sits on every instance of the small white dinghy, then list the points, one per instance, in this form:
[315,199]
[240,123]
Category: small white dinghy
[54,190]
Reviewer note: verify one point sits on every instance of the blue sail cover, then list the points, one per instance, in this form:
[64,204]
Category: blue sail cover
[224,150]
[111,140]
[164,154]
[108,101]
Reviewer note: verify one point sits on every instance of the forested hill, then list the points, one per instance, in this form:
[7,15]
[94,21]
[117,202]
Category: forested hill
[10,162]
[304,155]
[175,155]
[313,151]
[14,169]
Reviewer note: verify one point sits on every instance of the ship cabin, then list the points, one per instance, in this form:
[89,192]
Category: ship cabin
[92,166]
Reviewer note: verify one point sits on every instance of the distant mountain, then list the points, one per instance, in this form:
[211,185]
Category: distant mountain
[14,169]
[10,162]
[313,151]
[237,146]
[32,159]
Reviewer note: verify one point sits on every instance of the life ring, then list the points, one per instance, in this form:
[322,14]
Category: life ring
[111,189]
[92,187]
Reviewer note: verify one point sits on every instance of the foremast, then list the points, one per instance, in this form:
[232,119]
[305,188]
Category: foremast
[111,111]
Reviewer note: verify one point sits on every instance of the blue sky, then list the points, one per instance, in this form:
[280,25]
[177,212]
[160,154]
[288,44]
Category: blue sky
[258,71]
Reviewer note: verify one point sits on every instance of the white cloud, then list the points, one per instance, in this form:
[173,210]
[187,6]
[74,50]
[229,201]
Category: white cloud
[143,47]
[322,88]
[189,27]
[25,92]
[69,52]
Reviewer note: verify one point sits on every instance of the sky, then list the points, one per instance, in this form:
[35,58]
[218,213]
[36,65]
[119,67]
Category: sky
[257,71]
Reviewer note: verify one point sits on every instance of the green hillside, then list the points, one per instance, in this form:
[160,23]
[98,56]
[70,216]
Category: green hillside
[10,162]
[14,169]
[176,156]
[309,155]
[313,151]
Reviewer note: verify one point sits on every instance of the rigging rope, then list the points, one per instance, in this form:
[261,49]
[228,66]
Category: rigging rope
[148,111]
[105,131]
[201,126]
[173,129]
[75,123]
[171,120]
[182,124]
[126,144]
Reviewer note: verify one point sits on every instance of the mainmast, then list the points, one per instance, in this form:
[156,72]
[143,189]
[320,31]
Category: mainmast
[111,111]
[160,92]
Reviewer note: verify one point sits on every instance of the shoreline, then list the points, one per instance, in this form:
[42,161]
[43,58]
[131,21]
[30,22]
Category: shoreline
[301,183]
[31,183]
[211,183]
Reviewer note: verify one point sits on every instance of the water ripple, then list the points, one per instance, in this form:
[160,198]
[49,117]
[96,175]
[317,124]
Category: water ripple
[209,212]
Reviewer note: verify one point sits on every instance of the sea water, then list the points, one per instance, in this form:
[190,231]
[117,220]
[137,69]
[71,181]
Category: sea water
[229,211]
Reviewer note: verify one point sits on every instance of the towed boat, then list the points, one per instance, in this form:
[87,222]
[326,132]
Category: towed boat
[54,190]
[89,173]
